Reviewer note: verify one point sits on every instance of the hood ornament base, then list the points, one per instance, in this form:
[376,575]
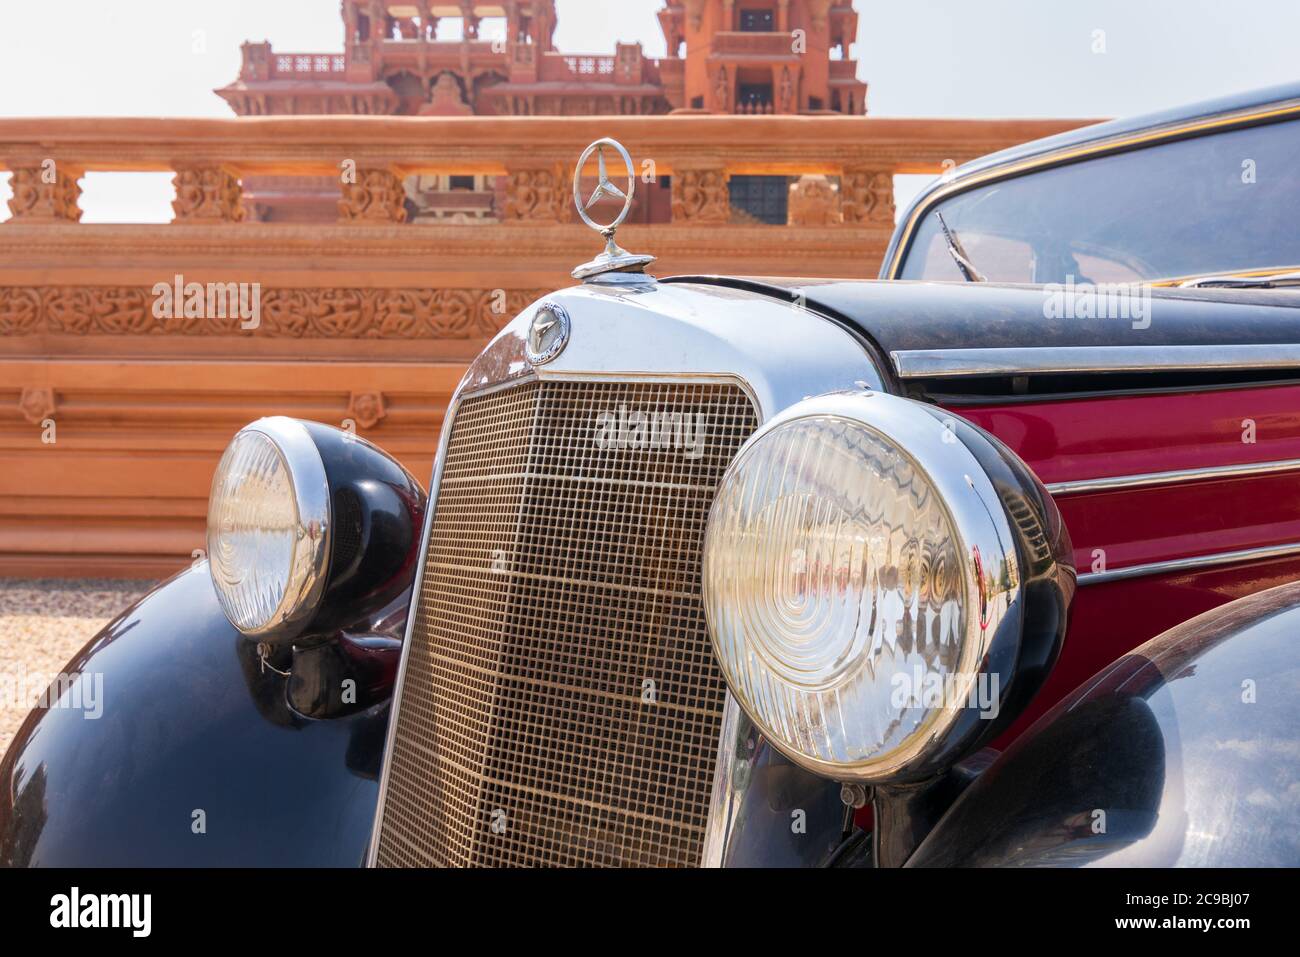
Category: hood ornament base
[614,259]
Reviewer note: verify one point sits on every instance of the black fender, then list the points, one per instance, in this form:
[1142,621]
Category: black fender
[192,730]
[1181,753]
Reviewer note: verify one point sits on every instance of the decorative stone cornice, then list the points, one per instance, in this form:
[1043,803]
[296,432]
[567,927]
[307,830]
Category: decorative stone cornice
[315,145]
[512,254]
[323,313]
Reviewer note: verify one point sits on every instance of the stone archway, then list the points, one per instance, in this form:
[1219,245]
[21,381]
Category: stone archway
[484,102]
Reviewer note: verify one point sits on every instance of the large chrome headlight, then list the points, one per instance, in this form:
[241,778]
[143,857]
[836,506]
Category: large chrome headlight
[309,528]
[269,527]
[865,584]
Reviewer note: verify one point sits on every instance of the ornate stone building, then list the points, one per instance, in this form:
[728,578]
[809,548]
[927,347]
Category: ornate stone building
[762,56]
[462,58]
[493,59]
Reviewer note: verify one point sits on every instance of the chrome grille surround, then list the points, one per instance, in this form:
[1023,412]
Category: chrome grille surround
[625,337]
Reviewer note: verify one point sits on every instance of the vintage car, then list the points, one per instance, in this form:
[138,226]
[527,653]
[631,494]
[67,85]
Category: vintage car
[992,562]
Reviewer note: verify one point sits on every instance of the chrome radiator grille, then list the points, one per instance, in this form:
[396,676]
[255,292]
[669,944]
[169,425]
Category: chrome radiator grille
[561,704]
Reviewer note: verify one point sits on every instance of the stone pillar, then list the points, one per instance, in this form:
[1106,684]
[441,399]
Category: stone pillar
[378,28]
[470,19]
[867,196]
[255,61]
[207,194]
[45,191]
[700,195]
[375,198]
[695,13]
[349,24]
[539,194]
[423,37]
[783,16]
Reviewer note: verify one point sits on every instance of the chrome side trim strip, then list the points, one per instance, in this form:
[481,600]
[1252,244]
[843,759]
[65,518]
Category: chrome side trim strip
[1185,564]
[1175,477]
[949,363]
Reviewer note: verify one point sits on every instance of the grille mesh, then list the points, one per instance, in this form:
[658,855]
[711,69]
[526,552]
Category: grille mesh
[561,704]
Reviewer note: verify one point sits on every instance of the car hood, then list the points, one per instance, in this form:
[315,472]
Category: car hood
[899,315]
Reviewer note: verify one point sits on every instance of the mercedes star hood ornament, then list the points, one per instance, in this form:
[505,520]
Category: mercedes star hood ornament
[614,258]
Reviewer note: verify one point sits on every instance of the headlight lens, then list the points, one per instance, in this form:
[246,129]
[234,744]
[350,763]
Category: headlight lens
[848,605]
[268,527]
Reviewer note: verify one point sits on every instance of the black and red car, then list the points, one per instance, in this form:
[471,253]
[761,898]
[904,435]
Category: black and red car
[993,562]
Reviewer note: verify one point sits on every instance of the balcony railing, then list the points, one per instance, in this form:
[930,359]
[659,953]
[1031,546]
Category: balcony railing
[118,393]
[305,64]
[578,67]
[590,65]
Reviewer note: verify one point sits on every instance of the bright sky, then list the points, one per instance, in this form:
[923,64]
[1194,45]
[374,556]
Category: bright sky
[920,57]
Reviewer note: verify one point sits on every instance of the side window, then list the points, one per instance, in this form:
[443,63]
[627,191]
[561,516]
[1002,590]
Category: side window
[1213,203]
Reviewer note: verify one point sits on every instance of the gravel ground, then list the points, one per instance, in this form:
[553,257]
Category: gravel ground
[43,623]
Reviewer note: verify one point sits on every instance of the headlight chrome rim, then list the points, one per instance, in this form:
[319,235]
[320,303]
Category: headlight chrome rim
[309,566]
[991,627]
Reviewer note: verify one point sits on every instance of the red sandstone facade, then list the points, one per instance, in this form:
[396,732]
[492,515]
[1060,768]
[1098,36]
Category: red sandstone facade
[468,58]
[113,417]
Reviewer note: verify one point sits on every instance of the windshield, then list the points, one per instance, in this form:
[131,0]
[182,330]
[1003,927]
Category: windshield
[1219,203]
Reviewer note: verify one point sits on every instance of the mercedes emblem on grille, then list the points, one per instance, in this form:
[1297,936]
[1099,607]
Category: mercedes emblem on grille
[548,333]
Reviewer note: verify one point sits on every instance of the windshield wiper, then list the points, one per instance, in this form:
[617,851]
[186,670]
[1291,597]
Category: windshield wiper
[964,265]
[1279,280]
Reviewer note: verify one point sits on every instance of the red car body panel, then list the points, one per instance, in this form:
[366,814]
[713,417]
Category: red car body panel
[1087,438]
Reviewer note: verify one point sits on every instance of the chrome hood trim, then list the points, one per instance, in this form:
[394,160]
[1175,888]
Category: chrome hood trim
[951,363]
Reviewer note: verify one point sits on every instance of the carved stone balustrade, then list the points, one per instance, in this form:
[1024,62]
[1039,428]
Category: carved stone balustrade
[814,202]
[539,194]
[46,192]
[207,194]
[867,195]
[130,354]
[372,195]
